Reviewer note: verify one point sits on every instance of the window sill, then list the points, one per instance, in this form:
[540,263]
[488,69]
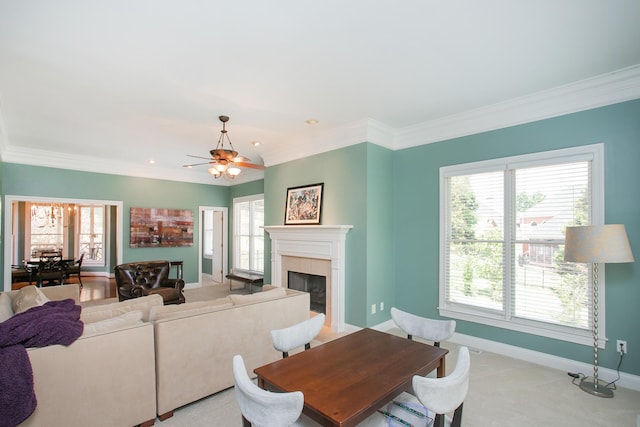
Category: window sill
[563,334]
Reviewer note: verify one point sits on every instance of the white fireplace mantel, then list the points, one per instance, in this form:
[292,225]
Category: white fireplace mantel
[317,242]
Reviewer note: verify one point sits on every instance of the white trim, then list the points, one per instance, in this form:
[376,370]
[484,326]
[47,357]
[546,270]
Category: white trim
[563,364]
[326,242]
[606,89]
[237,200]
[225,240]
[547,360]
[599,91]
[8,229]
[593,152]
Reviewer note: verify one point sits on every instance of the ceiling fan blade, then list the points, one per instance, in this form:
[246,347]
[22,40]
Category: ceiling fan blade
[198,164]
[249,165]
[241,159]
[199,157]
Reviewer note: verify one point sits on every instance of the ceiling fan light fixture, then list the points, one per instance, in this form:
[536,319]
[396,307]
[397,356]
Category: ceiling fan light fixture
[225,161]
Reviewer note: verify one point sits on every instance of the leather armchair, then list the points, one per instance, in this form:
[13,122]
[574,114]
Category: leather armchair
[143,278]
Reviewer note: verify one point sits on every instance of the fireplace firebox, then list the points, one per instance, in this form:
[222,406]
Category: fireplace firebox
[315,285]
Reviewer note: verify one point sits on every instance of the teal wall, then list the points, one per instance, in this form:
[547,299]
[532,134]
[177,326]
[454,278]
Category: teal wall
[246,189]
[344,174]
[392,250]
[416,197]
[357,191]
[379,257]
[22,180]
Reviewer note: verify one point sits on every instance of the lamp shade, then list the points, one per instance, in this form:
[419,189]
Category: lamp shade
[597,243]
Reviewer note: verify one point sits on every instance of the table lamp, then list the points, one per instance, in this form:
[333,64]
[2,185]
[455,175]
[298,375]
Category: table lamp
[596,244]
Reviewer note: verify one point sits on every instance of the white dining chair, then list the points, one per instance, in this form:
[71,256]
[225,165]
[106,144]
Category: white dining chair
[262,408]
[422,327]
[441,396]
[298,335]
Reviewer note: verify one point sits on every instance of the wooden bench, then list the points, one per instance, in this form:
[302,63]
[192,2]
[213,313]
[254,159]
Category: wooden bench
[247,279]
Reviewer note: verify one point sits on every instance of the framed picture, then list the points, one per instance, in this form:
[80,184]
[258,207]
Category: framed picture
[160,228]
[304,205]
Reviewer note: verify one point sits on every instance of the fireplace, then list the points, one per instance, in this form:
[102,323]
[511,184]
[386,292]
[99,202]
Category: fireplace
[315,250]
[314,284]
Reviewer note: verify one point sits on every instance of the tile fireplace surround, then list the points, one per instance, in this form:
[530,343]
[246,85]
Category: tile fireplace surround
[300,247]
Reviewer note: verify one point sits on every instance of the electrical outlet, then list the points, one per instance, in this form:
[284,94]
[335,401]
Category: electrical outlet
[373,309]
[621,346]
[382,306]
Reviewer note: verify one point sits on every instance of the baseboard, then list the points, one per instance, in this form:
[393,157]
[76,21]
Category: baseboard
[97,274]
[626,380]
[192,285]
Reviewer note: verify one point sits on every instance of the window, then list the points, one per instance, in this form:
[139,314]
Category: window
[502,241]
[90,235]
[248,234]
[207,234]
[46,228]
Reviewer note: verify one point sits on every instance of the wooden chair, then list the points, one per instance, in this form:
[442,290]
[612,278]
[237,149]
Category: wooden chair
[75,268]
[298,335]
[50,269]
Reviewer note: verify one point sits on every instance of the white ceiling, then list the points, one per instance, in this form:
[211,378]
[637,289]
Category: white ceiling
[107,85]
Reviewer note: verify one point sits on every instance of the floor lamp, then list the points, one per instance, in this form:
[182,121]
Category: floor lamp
[596,244]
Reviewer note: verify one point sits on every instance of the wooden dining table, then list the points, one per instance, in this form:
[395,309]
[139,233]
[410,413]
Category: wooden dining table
[347,379]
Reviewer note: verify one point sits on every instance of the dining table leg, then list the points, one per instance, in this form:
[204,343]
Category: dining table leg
[441,368]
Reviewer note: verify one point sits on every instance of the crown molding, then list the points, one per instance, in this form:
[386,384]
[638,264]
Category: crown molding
[607,89]
[57,160]
[365,130]
[318,142]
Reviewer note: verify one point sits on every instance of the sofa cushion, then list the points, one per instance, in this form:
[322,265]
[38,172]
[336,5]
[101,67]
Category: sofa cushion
[29,296]
[97,313]
[6,310]
[129,318]
[71,290]
[188,309]
[259,296]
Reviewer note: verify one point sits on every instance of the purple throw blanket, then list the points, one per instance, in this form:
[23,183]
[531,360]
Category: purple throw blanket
[55,322]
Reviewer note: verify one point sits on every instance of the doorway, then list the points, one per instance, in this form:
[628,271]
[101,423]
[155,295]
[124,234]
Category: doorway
[212,250]
[14,230]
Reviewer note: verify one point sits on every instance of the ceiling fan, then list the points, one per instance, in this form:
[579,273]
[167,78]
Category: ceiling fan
[225,161]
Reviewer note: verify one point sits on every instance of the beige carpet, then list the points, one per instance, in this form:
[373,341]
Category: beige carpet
[502,392]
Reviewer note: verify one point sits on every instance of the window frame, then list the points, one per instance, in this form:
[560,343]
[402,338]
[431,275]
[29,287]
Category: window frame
[236,233]
[61,222]
[207,233]
[594,153]
[88,261]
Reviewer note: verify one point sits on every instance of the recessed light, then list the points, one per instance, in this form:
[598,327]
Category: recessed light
[255,143]
[151,161]
[312,121]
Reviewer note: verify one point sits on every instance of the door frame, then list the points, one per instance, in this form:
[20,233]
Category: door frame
[9,232]
[225,239]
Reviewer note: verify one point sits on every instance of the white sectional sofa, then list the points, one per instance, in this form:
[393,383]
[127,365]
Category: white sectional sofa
[138,358]
[195,345]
